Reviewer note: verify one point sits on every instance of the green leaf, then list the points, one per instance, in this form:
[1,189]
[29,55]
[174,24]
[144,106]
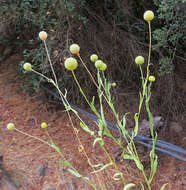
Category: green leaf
[75,173]
[123,126]
[107,132]
[128,186]
[154,165]
[55,147]
[104,167]
[163,186]
[136,124]
[100,125]
[127,156]
[117,176]
[142,186]
[85,128]
[98,139]
[63,163]
[86,178]
[93,108]
[138,164]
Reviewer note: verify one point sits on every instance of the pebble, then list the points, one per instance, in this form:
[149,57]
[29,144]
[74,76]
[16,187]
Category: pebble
[41,170]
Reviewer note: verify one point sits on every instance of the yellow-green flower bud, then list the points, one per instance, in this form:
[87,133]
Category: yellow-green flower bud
[43,35]
[27,66]
[139,60]
[152,78]
[93,57]
[98,64]
[103,67]
[113,84]
[44,125]
[71,63]
[148,15]
[10,126]
[74,48]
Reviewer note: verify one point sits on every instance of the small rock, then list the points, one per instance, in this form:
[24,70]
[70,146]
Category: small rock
[41,170]
[175,127]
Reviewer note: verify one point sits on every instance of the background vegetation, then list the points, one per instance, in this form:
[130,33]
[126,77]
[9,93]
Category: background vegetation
[110,28]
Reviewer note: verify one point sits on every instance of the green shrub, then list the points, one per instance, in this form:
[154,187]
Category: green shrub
[170,36]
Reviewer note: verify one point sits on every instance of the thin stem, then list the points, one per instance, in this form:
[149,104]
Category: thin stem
[55,78]
[45,142]
[148,63]
[80,88]
[86,180]
[88,71]
[92,78]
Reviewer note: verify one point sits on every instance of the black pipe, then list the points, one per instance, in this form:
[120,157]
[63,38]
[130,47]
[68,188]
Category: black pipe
[161,146]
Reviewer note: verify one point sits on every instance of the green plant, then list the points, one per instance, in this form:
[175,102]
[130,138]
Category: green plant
[170,35]
[23,19]
[103,89]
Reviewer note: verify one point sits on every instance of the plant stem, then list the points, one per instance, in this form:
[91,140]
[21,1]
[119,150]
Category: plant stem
[55,78]
[80,88]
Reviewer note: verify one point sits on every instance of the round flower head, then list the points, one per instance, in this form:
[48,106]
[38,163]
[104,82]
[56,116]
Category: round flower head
[139,60]
[98,64]
[113,84]
[44,125]
[93,57]
[152,78]
[10,126]
[71,63]
[103,67]
[148,15]
[27,66]
[43,35]
[74,48]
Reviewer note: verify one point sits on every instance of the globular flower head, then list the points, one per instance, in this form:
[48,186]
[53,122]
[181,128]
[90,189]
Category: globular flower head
[98,64]
[148,15]
[139,60]
[152,78]
[93,57]
[44,125]
[71,63]
[10,126]
[74,48]
[27,66]
[114,84]
[43,35]
[103,67]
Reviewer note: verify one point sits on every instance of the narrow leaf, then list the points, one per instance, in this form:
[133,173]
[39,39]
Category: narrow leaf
[163,186]
[117,176]
[127,156]
[75,173]
[85,128]
[142,186]
[104,167]
[63,163]
[55,147]
[128,186]
[96,140]
[136,124]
